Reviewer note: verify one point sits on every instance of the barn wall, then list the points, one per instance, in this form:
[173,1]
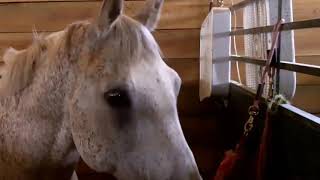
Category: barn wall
[178,36]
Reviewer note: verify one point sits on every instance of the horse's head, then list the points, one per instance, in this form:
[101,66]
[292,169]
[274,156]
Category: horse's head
[122,107]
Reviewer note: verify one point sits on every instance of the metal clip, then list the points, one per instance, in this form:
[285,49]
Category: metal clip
[220,3]
[248,126]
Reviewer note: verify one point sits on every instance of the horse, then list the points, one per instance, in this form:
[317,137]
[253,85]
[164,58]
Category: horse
[98,90]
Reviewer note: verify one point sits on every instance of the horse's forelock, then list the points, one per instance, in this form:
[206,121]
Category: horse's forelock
[133,37]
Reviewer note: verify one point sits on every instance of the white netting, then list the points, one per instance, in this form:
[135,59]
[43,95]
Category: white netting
[255,15]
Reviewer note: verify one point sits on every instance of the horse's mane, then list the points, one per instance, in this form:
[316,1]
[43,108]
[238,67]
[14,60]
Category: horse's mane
[17,67]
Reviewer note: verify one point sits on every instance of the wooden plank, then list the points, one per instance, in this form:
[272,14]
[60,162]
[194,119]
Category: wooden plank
[305,43]
[53,16]
[308,98]
[182,43]
[309,59]
[15,40]
[306,9]
[179,43]
[303,79]
[191,13]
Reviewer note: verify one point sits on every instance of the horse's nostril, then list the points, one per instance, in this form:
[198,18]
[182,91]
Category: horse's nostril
[117,98]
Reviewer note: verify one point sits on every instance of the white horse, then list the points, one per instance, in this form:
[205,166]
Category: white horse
[98,90]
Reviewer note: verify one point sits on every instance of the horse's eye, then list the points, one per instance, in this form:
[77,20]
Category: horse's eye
[117,98]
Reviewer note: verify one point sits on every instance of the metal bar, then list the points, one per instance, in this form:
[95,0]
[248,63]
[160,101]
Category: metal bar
[240,5]
[296,67]
[301,68]
[312,23]
[280,4]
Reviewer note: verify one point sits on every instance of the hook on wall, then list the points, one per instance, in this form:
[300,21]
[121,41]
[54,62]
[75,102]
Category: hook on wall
[219,3]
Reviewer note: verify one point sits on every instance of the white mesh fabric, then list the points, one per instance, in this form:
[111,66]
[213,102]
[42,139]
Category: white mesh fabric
[255,15]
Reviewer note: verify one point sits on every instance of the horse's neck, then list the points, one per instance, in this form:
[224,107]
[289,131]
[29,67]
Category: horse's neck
[38,112]
[45,95]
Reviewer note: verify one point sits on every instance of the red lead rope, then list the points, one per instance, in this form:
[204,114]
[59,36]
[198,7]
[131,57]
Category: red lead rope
[230,162]
[267,70]
[266,135]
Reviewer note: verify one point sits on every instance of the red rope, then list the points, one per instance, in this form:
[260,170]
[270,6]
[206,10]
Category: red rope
[266,135]
[227,166]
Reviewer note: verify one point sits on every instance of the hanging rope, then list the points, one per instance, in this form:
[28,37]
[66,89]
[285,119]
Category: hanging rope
[232,158]
[235,44]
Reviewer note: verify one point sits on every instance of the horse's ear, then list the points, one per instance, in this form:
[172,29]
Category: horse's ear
[150,14]
[110,11]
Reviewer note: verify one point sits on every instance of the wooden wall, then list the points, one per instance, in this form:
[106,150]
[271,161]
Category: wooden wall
[178,36]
